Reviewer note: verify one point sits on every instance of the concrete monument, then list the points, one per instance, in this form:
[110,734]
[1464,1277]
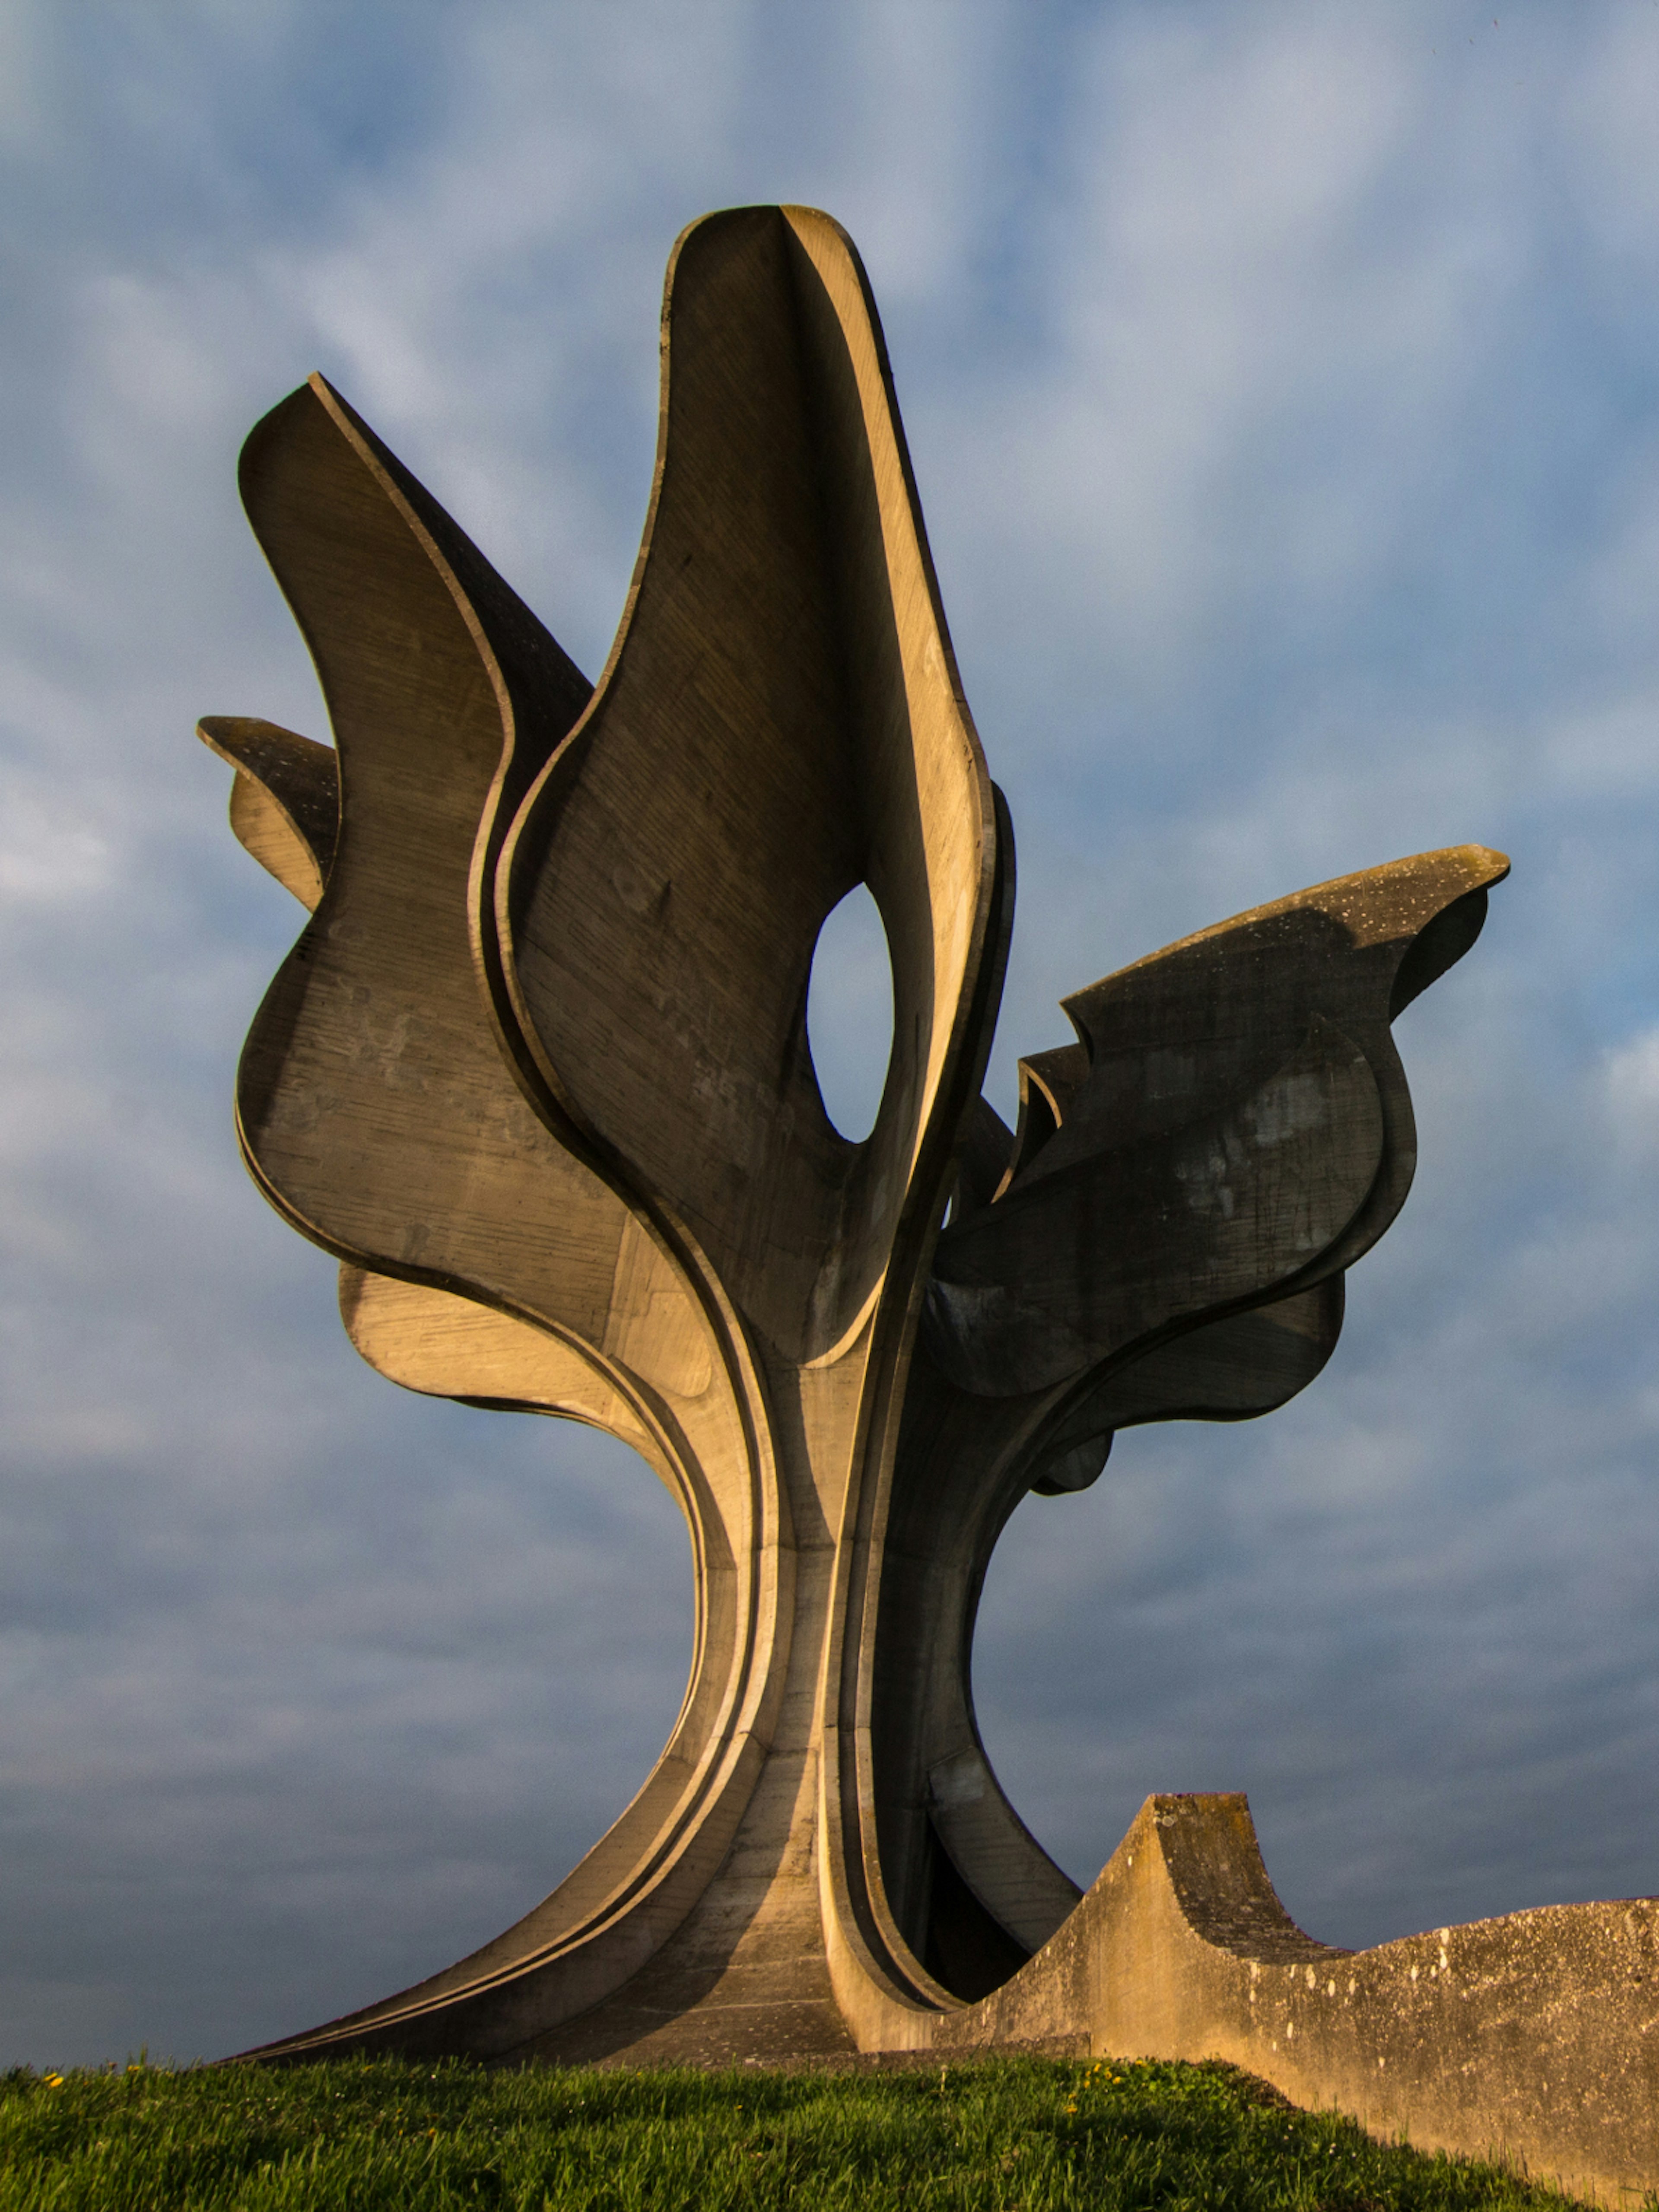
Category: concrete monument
[536,1072]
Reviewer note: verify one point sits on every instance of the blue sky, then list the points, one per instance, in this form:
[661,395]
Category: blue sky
[1283,386]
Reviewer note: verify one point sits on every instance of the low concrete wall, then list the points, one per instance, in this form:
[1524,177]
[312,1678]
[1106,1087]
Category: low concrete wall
[1533,2038]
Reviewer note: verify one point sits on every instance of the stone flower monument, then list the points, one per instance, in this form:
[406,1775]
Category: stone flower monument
[536,1072]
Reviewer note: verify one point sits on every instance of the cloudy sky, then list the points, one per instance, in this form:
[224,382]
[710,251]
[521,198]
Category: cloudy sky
[1283,386]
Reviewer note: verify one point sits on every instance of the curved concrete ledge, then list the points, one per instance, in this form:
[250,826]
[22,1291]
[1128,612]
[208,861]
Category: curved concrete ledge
[1533,2038]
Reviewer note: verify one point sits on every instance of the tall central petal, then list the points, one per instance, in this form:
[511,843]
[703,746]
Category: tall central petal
[779,721]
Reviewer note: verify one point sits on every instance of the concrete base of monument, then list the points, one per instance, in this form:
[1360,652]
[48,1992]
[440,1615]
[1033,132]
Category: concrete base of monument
[1533,2038]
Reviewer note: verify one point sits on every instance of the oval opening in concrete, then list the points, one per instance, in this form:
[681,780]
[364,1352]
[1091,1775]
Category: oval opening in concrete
[849,1013]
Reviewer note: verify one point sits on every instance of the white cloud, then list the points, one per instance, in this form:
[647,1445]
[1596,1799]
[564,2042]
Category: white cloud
[1631,1074]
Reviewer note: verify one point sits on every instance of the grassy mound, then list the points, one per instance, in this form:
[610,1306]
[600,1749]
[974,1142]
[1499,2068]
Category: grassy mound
[1042,2135]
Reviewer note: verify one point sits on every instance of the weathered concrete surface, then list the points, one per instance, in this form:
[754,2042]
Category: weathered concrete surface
[1533,2038]
[537,1073]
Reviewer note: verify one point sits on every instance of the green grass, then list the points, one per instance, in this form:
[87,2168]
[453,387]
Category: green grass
[1039,2135]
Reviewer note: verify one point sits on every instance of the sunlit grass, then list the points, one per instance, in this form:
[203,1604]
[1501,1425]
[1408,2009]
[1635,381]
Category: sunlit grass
[1039,2135]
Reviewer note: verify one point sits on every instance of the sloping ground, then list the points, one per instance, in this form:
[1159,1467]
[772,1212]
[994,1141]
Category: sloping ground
[1043,2135]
